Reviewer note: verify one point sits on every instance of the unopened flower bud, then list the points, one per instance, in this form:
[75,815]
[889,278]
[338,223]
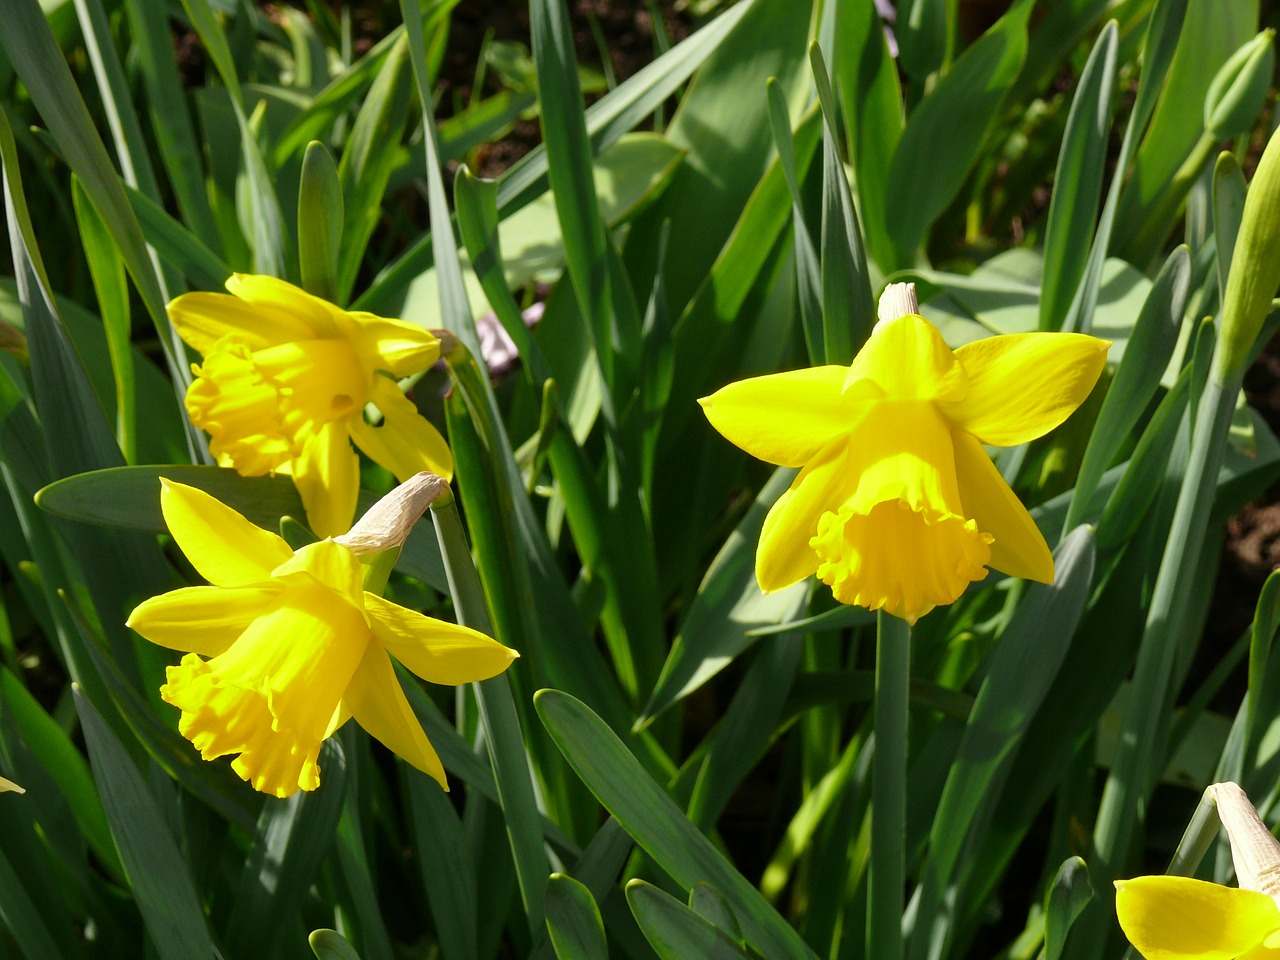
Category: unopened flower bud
[1239,88]
[387,523]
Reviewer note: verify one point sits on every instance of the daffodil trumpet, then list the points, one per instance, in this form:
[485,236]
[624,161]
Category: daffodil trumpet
[897,505]
[283,647]
[285,382]
[1181,918]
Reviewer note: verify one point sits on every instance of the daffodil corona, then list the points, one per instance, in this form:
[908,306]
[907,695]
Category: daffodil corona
[284,384]
[897,505]
[284,648]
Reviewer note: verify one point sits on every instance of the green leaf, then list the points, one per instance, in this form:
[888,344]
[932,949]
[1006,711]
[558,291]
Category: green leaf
[727,609]
[266,223]
[451,892]
[807,263]
[158,875]
[946,132]
[113,302]
[320,223]
[1146,356]
[1229,191]
[330,945]
[573,920]
[1069,893]
[44,71]
[293,837]
[921,31]
[848,308]
[645,811]
[367,159]
[674,931]
[569,153]
[866,77]
[129,497]
[64,764]
[1077,181]
[1019,674]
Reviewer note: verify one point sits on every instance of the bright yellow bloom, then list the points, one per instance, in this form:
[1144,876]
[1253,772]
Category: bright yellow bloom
[284,385]
[1177,918]
[285,647]
[897,506]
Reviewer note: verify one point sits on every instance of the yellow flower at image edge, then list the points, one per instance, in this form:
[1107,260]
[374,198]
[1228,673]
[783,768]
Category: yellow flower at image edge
[1178,918]
[285,647]
[897,505]
[284,384]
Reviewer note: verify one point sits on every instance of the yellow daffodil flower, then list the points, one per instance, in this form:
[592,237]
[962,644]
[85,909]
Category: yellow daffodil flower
[285,647]
[1178,918]
[284,384]
[897,505]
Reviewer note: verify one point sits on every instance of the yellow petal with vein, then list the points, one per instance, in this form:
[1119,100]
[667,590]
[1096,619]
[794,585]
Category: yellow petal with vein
[398,347]
[379,705]
[327,476]
[271,293]
[434,650]
[224,547]
[1019,548]
[783,418]
[1178,918]
[908,359]
[406,442]
[1023,385]
[203,620]
[202,319]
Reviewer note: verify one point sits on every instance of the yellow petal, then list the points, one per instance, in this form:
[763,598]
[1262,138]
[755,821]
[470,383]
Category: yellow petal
[1023,385]
[405,443]
[1019,548]
[327,476]
[332,565]
[399,348]
[784,555]
[434,650]
[224,547]
[379,705]
[203,620]
[202,319]
[1178,918]
[281,298]
[908,359]
[783,418]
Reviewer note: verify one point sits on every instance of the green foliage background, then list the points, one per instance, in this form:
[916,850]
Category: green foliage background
[731,209]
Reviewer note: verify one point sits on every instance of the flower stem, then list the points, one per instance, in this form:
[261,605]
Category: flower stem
[889,789]
[501,722]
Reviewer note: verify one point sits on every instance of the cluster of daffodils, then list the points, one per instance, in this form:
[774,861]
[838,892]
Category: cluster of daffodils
[897,505]
[1179,918]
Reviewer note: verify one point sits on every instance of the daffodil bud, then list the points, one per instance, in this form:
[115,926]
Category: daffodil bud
[1239,88]
[8,786]
[387,523]
[897,300]
[1255,267]
[1254,851]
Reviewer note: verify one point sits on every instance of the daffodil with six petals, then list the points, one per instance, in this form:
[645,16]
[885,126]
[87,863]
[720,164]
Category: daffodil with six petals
[284,384]
[897,505]
[284,648]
